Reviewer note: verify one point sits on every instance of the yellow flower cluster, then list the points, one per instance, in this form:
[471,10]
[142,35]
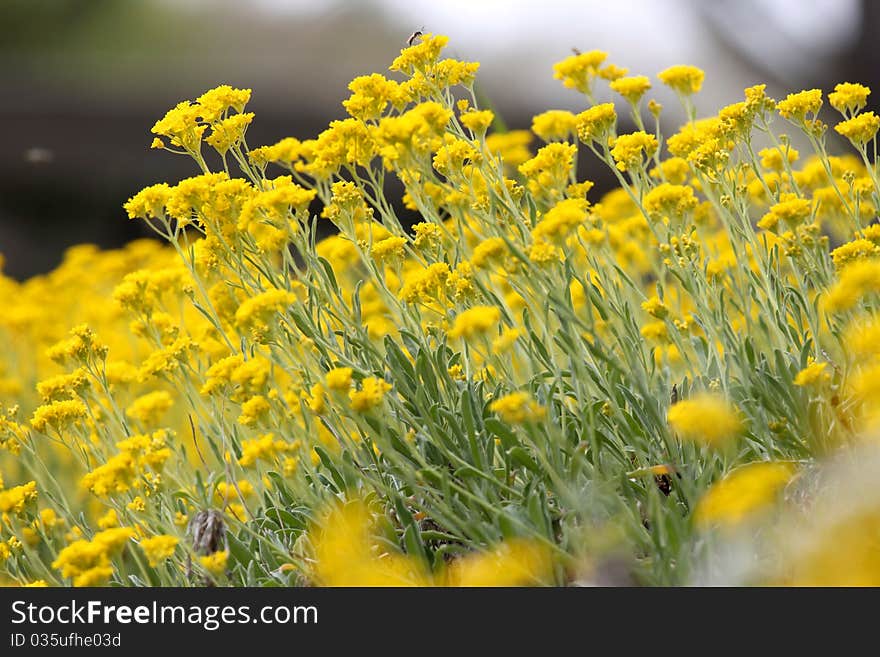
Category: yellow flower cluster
[517,408]
[628,150]
[684,79]
[88,562]
[469,394]
[859,129]
[706,418]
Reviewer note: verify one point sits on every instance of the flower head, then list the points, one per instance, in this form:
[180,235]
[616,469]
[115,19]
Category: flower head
[578,71]
[848,98]
[796,106]
[518,408]
[706,418]
[860,129]
[632,88]
[743,492]
[475,321]
[628,150]
[684,79]
[554,125]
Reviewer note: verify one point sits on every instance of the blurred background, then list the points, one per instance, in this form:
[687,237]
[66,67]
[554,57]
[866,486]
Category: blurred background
[83,81]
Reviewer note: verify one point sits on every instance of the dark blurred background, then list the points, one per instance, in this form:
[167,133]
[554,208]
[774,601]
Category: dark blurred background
[83,81]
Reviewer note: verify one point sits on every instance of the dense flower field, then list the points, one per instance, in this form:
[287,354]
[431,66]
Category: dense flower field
[675,383]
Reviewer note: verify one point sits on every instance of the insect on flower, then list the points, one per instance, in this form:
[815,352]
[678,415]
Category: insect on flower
[208,533]
[415,35]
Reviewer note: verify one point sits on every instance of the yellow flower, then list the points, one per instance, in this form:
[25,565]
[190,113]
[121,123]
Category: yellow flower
[693,136]
[705,418]
[554,125]
[347,552]
[451,72]
[612,72]
[632,88]
[113,540]
[742,492]
[192,196]
[579,190]
[627,150]
[149,202]
[58,415]
[109,519]
[254,410]
[315,399]
[414,134]
[655,331]
[149,408]
[168,359]
[370,395]
[674,170]
[812,374]
[490,250]
[477,121]
[684,79]
[797,105]
[215,563]
[669,199]
[772,158]
[97,576]
[506,340]
[865,387]
[542,253]
[87,563]
[560,220]
[339,378]
[515,562]
[14,500]
[860,129]
[656,308]
[855,281]
[475,321]
[347,142]
[791,210]
[420,56]
[181,125]
[158,548]
[285,152]
[49,519]
[370,95]
[265,447]
[862,338]
[596,123]
[858,249]
[391,248]
[116,475]
[578,71]
[511,146]
[215,102]
[229,132]
[518,408]
[848,98]
[547,174]
[427,234]
[259,313]
[63,386]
